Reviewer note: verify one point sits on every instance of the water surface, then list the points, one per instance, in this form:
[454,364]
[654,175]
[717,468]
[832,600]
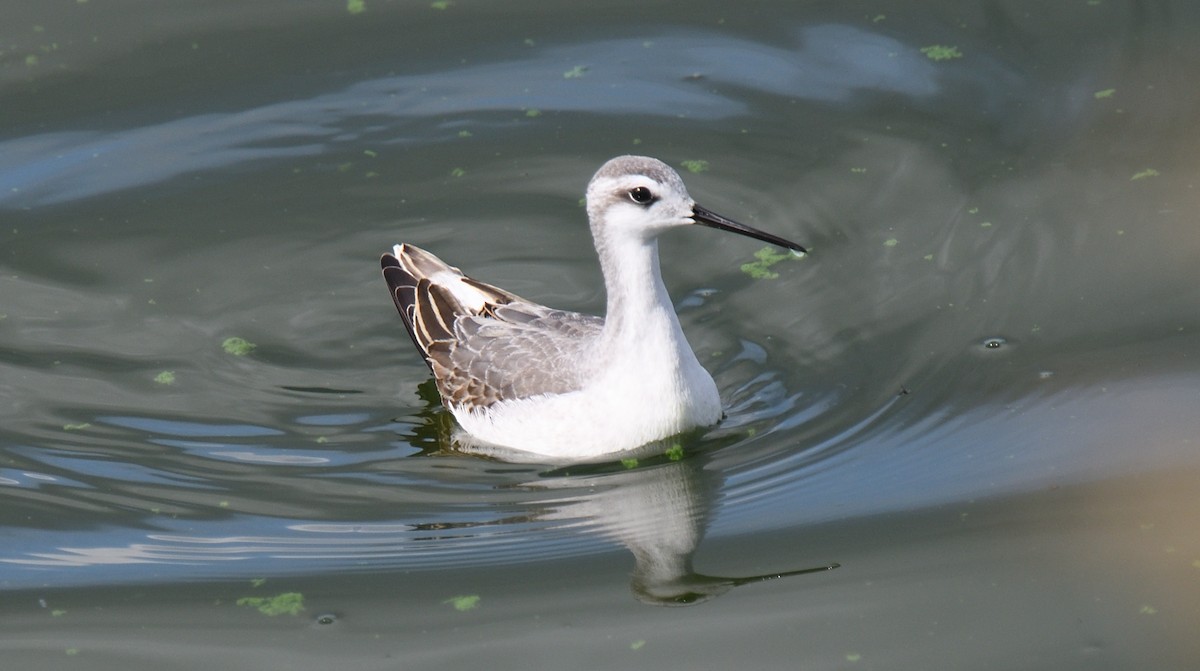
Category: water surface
[978,395]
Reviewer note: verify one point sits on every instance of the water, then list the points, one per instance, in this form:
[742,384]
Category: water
[978,395]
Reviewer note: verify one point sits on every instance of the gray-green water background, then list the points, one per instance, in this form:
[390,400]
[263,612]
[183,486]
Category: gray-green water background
[980,394]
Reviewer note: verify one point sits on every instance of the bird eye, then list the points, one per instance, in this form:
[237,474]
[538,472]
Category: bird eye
[641,195]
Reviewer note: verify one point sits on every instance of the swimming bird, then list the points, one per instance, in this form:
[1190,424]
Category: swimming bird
[561,385]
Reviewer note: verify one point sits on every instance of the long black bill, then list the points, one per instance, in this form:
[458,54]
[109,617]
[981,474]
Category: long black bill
[713,220]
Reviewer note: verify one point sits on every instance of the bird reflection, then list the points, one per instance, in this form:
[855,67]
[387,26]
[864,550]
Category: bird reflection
[655,505]
[659,511]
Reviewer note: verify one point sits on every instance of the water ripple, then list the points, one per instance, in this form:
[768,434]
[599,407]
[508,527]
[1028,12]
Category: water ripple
[69,165]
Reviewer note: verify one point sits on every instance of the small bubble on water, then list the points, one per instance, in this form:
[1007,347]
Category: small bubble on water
[994,343]
[1045,375]
[326,618]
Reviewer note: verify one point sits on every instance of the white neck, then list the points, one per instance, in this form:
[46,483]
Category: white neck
[639,310]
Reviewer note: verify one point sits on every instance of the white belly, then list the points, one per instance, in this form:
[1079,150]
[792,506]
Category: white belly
[621,410]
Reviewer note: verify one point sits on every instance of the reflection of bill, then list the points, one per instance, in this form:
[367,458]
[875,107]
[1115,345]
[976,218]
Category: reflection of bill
[660,513]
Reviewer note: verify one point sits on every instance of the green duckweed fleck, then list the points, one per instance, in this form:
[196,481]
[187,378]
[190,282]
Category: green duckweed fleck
[288,603]
[464,602]
[941,52]
[237,346]
[767,257]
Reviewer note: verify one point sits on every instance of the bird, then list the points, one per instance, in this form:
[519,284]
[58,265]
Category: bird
[538,383]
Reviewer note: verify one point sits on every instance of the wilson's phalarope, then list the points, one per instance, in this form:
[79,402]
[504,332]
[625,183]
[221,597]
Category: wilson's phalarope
[560,384]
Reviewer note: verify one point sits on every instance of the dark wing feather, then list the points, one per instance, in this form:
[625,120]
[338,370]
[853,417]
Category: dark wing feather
[508,349]
[403,287]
